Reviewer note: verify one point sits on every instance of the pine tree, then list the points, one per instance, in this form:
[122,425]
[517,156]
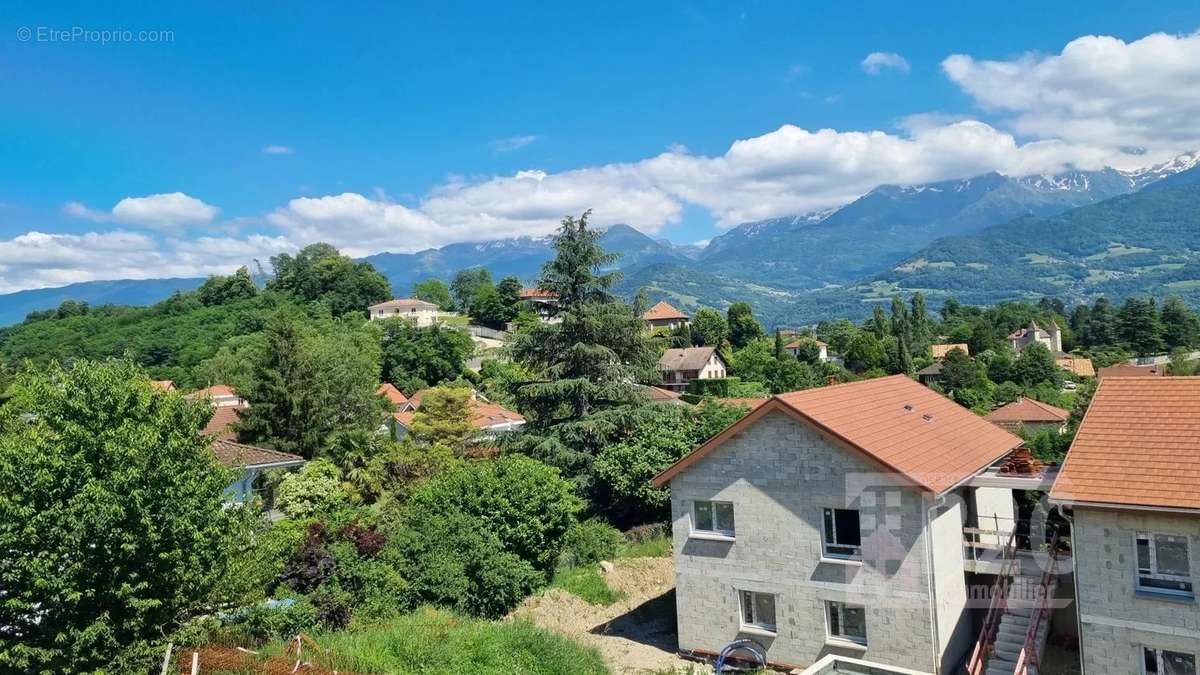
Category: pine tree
[1140,326]
[878,323]
[743,327]
[1181,326]
[590,361]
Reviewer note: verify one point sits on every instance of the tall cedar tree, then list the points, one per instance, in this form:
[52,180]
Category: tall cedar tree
[743,327]
[590,361]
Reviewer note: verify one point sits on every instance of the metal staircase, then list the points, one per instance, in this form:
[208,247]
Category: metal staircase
[1018,620]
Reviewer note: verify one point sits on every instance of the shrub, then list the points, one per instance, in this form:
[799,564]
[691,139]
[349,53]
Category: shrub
[317,486]
[587,583]
[524,503]
[590,542]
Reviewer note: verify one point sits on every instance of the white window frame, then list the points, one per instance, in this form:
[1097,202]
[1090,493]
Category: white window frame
[826,535]
[1158,652]
[839,606]
[1154,573]
[717,530]
[754,624]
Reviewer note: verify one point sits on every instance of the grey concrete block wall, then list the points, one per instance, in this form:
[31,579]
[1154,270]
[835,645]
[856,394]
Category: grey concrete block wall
[780,474]
[1115,621]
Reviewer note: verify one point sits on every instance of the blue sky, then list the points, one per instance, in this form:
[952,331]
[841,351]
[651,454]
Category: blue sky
[399,127]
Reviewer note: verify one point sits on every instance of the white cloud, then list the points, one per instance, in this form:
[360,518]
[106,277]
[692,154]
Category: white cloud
[81,210]
[356,224]
[514,142]
[39,259]
[278,150]
[1099,91]
[876,62]
[169,211]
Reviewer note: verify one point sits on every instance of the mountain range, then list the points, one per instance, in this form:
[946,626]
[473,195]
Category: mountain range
[984,238]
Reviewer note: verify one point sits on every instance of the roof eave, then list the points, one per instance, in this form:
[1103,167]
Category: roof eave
[1116,506]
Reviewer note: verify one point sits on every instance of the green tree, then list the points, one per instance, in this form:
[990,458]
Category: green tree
[1141,328]
[754,361]
[308,383]
[490,309]
[111,517]
[1181,326]
[590,361]
[466,284]
[878,324]
[218,290]
[808,351]
[743,327]
[317,486]
[444,418]
[709,328]
[414,358]
[1102,325]
[922,333]
[1036,365]
[960,372]
[320,273]
[435,291]
[866,352]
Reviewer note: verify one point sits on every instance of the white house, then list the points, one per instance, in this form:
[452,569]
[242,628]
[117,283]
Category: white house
[418,311]
[799,343]
[250,462]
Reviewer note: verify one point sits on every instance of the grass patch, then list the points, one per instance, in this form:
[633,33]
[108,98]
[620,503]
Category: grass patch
[435,642]
[657,547]
[587,582]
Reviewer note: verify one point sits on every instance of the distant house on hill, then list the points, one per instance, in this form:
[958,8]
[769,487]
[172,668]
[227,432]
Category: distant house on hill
[797,344]
[419,312]
[663,315]
[489,418]
[163,385]
[1031,415]
[544,303]
[1127,370]
[221,395]
[1051,337]
[931,373]
[252,463]
[680,366]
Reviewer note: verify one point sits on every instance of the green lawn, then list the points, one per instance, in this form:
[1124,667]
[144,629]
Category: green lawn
[586,582]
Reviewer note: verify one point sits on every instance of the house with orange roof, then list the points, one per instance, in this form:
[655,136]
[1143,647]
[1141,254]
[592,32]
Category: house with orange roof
[392,394]
[940,351]
[1130,370]
[799,343]
[220,395]
[832,523]
[663,315]
[250,463]
[1029,415]
[543,302]
[1129,486]
[488,417]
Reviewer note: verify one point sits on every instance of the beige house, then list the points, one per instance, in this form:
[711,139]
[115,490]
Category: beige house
[1130,486]
[1050,336]
[797,344]
[663,315]
[418,311]
[829,525]
[680,366]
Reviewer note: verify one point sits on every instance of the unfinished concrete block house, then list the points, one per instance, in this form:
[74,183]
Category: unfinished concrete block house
[840,523]
[1132,482]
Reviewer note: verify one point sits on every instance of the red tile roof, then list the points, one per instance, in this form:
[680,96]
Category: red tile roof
[221,424]
[389,390]
[901,425]
[663,311]
[531,293]
[1028,410]
[232,454]
[1130,370]
[1138,445]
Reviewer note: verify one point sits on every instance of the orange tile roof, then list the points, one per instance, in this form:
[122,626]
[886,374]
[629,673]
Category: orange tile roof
[1077,365]
[940,351]
[221,424]
[660,394]
[530,293]
[899,424]
[163,385]
[389,390]
[232,454]
[795,344]
[662,312]
[1028,410]
[484,414]
[1138,445]
[1130,370]
[213,392]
